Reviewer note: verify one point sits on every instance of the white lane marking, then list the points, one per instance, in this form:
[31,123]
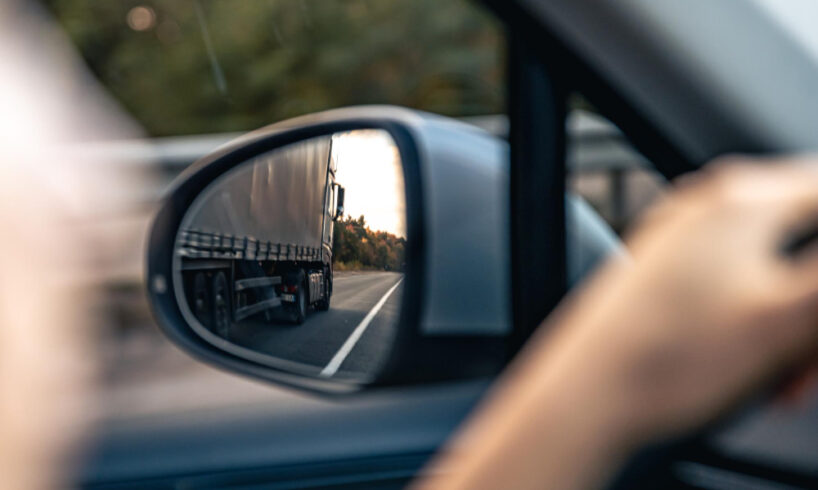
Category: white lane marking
[345,349]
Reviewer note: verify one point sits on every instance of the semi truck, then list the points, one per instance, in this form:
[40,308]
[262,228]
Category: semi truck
[258,242]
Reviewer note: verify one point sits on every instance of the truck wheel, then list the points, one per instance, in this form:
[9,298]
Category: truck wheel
[298,310]
[201,300]
[221,305]
[323,303]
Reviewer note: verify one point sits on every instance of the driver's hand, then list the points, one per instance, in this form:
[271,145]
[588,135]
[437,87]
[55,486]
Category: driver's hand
[709,307]
[706,309]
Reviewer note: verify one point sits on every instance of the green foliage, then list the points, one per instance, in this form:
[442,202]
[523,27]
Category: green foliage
[282,58]
[356,247]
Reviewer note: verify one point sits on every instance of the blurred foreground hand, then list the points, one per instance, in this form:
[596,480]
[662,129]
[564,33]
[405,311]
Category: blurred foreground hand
[52,206]
[707,310]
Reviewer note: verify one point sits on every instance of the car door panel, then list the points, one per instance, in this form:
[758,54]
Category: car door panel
[379,438]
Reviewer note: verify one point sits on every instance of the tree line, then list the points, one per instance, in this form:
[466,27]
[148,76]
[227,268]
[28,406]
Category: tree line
[207,66]
[356,247]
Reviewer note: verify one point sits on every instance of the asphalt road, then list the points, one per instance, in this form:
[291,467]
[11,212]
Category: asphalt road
[352,337]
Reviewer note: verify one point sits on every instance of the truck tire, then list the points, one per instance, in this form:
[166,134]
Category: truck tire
[298,310]
[323,303]
[220,294]
[201,300]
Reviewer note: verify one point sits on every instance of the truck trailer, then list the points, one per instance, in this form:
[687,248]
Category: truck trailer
[258,242]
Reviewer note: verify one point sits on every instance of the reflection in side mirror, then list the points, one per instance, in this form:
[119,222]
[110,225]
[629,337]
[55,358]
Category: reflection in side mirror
[272,272]
[250,270]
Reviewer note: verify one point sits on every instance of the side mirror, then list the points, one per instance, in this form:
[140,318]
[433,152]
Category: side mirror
[252,270]
[339,206]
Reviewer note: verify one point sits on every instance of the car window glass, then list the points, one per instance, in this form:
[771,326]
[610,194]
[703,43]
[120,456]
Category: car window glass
[604,168]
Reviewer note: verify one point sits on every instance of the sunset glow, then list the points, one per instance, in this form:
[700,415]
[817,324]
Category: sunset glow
[370,170]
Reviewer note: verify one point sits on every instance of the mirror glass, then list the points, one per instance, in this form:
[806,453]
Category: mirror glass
[295,258]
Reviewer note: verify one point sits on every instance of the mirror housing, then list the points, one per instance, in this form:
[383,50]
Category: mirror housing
[456,295]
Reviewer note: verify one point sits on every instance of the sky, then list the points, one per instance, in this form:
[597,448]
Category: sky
[370,170]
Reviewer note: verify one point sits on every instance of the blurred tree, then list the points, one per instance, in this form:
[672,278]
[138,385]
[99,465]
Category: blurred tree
[200,66]
[355,247]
